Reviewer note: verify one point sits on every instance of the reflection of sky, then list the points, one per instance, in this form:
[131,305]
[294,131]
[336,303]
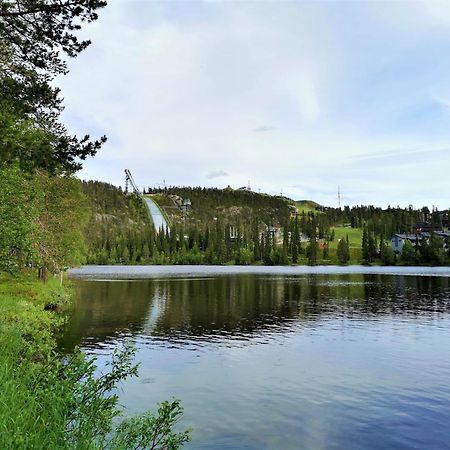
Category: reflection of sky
[363,384]
[289,95]
[367,367]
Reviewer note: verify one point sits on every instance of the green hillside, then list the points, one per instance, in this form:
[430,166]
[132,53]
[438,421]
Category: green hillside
[306,206]
[119,229]
[234,206]
[227,226]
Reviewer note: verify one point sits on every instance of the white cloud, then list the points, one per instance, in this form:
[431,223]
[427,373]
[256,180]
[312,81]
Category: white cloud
[217,174]
[279,93]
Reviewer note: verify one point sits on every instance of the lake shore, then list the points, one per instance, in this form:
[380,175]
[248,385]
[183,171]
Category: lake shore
[155,271]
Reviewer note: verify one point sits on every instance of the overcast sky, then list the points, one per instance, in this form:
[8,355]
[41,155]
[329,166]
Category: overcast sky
[295,97]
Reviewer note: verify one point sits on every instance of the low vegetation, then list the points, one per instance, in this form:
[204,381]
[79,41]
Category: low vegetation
[57,403]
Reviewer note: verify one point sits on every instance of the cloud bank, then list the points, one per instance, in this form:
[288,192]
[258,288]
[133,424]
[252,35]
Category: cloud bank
[293,96]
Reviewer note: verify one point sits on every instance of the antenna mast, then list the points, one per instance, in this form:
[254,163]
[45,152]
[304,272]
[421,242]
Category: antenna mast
[339,196]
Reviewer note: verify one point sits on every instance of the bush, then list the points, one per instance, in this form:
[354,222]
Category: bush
[53,403]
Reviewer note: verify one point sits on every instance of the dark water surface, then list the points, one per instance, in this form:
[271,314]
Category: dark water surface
[280,359]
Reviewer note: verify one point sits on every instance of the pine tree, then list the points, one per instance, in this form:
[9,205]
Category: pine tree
[343,253]
[312,251]
[295,241]
[326,252]
[365,246]
[126,255]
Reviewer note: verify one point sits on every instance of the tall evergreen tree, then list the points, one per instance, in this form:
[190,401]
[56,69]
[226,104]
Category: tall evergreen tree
[343,253]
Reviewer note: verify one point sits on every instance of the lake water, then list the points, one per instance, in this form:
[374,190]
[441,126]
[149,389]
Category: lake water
[279,358]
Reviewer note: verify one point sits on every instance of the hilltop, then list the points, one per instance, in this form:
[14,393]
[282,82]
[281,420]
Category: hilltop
[236,206]
[238,226]
[307,206]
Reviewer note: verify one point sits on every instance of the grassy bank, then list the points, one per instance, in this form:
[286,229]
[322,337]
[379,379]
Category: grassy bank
[50,402]
[33,401]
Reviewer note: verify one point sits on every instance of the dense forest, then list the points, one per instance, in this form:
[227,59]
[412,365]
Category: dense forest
[226,226]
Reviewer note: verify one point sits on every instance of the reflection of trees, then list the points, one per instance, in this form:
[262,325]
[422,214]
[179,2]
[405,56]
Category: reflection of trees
[389,294]
[103,309]
[202,308]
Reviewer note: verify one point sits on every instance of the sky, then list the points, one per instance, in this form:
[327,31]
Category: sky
[295,98]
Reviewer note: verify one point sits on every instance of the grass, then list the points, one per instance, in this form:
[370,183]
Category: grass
[354,243]
[47,402]
[31,400]
[306,206]
[354,236]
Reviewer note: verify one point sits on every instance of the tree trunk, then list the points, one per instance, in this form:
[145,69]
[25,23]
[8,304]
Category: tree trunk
[43,274]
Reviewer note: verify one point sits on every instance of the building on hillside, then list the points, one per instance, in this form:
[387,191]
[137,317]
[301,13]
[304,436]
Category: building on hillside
[445,218]
[399,240]
[242,188]
[275,232]
[186,205]
[245,188]
[427,227]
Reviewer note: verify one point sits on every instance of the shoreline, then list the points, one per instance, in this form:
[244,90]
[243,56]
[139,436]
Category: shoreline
[127,272]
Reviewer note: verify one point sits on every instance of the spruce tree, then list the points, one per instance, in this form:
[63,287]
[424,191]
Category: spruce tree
[365,246]
[343,253]
[295,241]
[312,251]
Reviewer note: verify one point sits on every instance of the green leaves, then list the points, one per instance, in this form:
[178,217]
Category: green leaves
[41,220]
[50,402]
[152,432]
[18,210]
[94,406]
[343,252]
[33,35]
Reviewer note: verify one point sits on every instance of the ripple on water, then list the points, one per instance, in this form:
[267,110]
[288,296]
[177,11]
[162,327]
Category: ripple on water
[283,359]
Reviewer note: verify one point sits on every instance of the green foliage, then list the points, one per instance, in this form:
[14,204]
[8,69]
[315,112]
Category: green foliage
[387,255]
[152,432]
[237,227]
[343,253]
[34,36]
[119,229]
[432,251]
[236,207]
[312,251]
[51,403]
[244,256]
[408,254]
[62,215]
[18,212]
[41,220]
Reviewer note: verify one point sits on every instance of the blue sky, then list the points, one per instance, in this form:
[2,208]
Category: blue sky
[295,97]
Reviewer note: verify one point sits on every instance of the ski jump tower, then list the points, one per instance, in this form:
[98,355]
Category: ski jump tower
[129,181]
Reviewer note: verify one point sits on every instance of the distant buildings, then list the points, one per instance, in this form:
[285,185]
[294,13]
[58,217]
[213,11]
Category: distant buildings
[399,240]
[242,188]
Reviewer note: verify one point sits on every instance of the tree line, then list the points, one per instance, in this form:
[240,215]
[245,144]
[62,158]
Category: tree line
[241,227]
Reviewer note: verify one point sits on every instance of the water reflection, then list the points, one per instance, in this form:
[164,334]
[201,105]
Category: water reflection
[225,308]
[281,361]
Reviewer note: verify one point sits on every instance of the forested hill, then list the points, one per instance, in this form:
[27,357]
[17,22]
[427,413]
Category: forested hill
[120,231]
[226,226]
[119,228]
[236,206]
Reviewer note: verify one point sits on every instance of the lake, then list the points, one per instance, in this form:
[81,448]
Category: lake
[279,357]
